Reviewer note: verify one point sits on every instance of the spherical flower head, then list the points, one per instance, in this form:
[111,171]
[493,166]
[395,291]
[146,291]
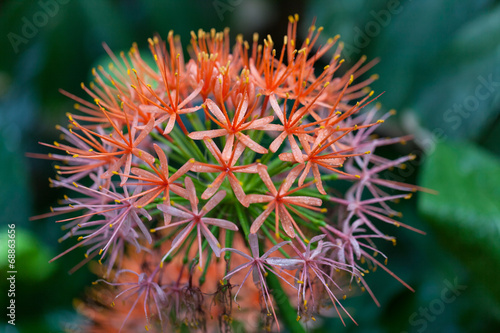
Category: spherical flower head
[256,135]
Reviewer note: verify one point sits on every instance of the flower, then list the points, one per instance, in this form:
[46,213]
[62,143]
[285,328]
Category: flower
[139,171]
[117,225]
[312,262]
[126,143]
[160,181]
[232,128]
[226,169]
[196,219]
[280,201]
[258,266]
[145,286]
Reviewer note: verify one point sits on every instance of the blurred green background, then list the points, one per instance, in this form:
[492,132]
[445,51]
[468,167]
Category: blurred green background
[439,67]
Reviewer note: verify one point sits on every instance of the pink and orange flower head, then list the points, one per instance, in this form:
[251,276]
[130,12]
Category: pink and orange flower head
[257,136]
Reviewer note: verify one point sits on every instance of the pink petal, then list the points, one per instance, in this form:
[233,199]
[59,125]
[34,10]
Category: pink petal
[251,168]
[304,200]
[237,189]
[290,178]
[143,155]
[143,173]
[242,110]
[220,223]
[276,108]
[167,209]
[258,198]
[200,135]
[162,158]
[193,199]
[261,218]
[297,153]
[145,132]
[216,111]
[197,167]
[253,240]
[228,148]
[238,150]
[274,249]
[212,241]
[170,124]
[251,144]
[214,201]
[286,157]
[286,221]
[304,174]
[260,124]
[214,150]
[181,171]
[317,177]
[262,169]
[276,144]
[180,191]
[179,239]
[212,188]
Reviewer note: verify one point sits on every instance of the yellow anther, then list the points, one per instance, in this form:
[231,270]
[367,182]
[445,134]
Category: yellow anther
[100,251]
[79,238]
[75,184]
[117,201]
[324,210]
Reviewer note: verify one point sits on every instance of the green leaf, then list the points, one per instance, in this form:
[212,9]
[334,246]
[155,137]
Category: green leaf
[466,212]
[462,95]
